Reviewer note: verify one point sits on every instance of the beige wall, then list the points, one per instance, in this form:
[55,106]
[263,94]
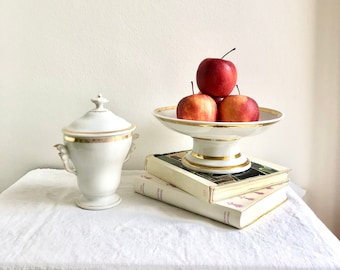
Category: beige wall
[56,55]
[324,183]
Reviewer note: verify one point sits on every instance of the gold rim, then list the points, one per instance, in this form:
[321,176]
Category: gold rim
[216,140]
[224,168]
[199,156]
[98,132]
[97,140]
[260,123]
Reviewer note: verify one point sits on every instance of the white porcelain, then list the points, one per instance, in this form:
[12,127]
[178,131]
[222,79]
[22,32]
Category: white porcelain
[95,149]
[216,146]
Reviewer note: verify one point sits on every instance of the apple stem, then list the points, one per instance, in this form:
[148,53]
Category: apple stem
[228,53]
[238,90]
[192,87]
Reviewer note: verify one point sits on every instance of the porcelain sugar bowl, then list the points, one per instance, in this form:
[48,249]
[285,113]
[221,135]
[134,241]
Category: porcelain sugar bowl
[95,149]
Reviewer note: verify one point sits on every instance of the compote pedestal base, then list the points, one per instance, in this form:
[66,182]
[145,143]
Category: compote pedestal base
[216,156]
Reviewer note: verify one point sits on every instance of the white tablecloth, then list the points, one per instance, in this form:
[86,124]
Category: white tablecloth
[42,228]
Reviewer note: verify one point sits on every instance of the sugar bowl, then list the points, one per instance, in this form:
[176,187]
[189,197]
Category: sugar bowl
[95,148]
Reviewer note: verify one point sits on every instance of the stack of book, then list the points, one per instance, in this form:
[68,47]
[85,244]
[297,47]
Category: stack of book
[235,199]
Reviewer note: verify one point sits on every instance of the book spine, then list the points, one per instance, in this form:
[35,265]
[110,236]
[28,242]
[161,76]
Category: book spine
[177,177]
[173,196]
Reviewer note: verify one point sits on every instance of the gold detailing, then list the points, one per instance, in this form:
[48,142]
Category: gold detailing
[271,111]
[199,156]
[216,140]
[199,166]
[97,140]
[168,108]
[99,132]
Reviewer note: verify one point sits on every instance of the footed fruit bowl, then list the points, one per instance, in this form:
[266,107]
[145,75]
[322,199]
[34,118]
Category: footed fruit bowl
[216,144]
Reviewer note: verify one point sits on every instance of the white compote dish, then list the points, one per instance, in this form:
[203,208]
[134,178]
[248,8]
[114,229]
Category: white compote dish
[216,144]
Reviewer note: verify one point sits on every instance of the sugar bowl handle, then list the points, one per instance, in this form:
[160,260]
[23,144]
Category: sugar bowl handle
[135,136]
[64,155]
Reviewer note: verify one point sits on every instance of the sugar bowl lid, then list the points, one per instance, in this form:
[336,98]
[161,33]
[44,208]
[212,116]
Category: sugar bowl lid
[98,122]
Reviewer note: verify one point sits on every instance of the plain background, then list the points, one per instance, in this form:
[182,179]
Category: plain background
[56,55]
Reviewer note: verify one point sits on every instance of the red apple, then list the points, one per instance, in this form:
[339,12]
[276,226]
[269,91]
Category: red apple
[238,108]
[216,77]
[198,107]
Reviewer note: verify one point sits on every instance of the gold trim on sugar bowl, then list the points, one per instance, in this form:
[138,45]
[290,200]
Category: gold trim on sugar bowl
[97,133]
[97,139]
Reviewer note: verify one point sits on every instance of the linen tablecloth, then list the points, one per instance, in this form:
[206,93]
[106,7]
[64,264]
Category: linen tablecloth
[42,228]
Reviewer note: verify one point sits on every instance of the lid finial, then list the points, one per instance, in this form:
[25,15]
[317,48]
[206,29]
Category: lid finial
[99,101]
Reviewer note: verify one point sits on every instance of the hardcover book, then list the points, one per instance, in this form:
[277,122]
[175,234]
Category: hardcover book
[214,187]
[239,211]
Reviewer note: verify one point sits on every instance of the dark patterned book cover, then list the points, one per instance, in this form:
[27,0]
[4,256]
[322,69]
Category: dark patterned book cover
[175,158]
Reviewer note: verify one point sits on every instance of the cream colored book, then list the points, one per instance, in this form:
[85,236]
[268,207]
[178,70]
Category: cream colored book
[239,211]
[214,187]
